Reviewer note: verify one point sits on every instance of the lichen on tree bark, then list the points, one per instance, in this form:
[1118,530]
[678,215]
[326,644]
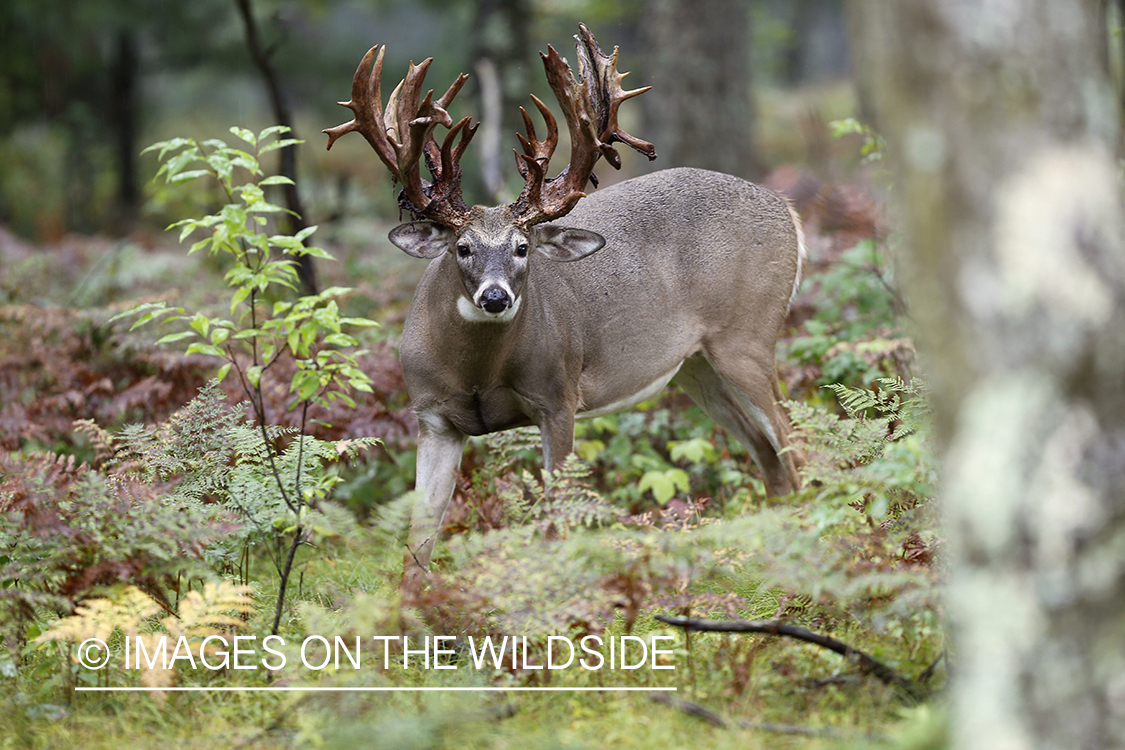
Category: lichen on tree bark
[1002,125]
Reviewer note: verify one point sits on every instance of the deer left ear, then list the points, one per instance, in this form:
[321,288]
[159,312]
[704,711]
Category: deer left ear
[562,244]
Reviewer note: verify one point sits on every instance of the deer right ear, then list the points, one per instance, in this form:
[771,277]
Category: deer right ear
[422,239]
[562,244]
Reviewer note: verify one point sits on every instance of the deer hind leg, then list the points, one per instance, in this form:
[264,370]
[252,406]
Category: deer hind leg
[439,455]
[744,401]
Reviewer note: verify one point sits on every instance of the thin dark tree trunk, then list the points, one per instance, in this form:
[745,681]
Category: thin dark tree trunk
[282,116]
[124,112]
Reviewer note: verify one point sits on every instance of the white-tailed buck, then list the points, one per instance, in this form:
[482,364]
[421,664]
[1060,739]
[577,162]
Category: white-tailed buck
[521,321]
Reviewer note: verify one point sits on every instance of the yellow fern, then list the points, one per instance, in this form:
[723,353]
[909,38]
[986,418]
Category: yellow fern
[207,613]
[124,610]
[201,614]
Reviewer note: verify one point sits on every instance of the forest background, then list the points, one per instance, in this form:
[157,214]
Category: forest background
[141,502]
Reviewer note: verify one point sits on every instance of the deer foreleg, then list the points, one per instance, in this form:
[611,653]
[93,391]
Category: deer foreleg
[439,455]
[557,432]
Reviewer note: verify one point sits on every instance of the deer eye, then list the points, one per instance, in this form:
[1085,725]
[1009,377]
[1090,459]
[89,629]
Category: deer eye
[464,251]
[521,251]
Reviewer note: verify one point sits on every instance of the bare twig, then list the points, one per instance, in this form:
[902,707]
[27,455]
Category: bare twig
[928,672]
[866,663]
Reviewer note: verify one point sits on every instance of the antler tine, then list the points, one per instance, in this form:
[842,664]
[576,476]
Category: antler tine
[366,109]
[403,131]
[444,163]
[590,108]
[600,70]
[534,149]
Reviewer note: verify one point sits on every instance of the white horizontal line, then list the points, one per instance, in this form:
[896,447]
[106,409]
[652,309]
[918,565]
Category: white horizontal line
[290,688]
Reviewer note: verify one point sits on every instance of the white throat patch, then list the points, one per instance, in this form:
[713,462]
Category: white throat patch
[474,314]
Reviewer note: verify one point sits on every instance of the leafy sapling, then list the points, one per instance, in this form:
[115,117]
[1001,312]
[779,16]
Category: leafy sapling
[263,327]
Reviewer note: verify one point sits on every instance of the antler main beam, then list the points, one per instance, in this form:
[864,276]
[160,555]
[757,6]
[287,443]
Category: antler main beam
[403,132]
[590,107]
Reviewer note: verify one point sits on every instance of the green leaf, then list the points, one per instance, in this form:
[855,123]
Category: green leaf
[169,145]
[663,484]
[188,176]
[360,322]
[589,450]
[264,207]
[222,374]
[277,179]
[279,144]
[174,337]
[200,323]
[696,450]
[357,384]
[340,339]
[201,348]
[244,134]
[341,396]
[177,163]
[306,384]
[274,130]
[316,252]
[304,233]
[240,294]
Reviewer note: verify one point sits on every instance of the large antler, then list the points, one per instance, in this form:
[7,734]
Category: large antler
[590,107]
[403,133]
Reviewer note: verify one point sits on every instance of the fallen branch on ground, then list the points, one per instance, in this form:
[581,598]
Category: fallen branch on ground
[866,663]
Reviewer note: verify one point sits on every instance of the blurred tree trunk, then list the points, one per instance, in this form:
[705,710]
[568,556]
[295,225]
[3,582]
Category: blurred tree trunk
[1003,126]
[700,112]
[502,60]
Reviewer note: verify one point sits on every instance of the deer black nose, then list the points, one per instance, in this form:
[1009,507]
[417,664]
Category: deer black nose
[495,300]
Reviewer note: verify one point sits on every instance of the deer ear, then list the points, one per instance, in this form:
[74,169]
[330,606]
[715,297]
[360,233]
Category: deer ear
[562,244]
[422,239]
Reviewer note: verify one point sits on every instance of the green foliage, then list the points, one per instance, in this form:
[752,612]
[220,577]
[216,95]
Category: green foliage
[208,456]
[874,146]
[67,530]
[870,479]
[570,561]
[660,454]
[310,329]
[856,544]
[185,498]
[265,327]
[853,335]
[877,453]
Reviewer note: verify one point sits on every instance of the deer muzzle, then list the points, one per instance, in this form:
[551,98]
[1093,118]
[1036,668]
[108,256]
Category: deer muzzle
[495,299]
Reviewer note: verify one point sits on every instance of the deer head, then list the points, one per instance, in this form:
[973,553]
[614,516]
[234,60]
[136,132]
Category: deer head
[491,245]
